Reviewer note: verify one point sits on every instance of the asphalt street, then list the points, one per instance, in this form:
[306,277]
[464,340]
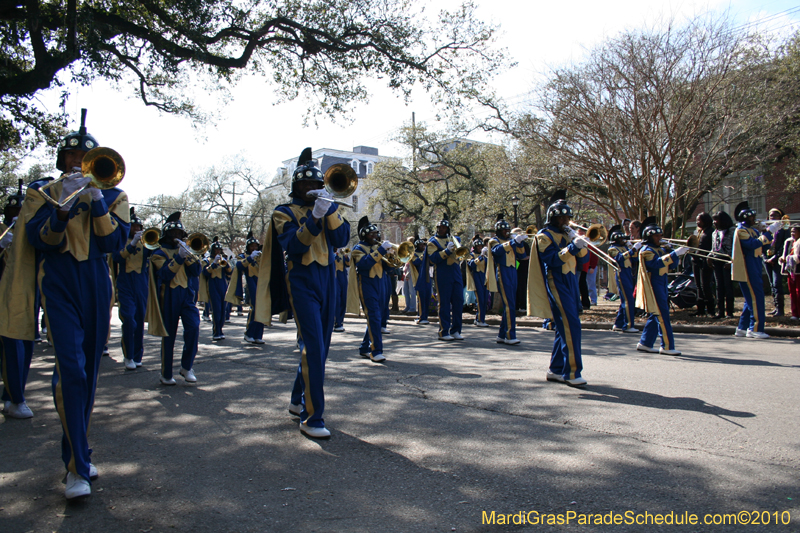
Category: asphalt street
[436,439]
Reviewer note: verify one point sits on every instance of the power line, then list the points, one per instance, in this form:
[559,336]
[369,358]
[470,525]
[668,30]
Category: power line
[189,210]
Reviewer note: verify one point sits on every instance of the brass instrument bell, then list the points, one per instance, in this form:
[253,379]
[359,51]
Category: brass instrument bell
[103,165]
[150,238]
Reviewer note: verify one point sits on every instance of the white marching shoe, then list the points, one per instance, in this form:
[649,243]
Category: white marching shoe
[77,487]
[188,375]
[740,333]
[457,336]
[631,330]
[665,351]
[165,381]
[558,378]
[377,358]
[615,328]
[93,472]
[756,335]
[447,338]
[386,331]
[512,342]
[338,329]
[642,348]
[129,364]
[295,409]
[577,382]
[18,410]
[316,433]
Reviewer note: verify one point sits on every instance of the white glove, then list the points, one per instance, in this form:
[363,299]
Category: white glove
[451,246]
[72,183]
[255,255]
[638,245]
[386,245]
[682,250]
[775,226]
[572,233]
[320,208]
[183,252]
[5,242]
[137,237]
[580,242]
[319,193]
[520,238]
[485,251]
[97,194]
[218,258]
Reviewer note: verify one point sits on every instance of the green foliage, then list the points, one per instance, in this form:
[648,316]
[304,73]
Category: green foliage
[322,49]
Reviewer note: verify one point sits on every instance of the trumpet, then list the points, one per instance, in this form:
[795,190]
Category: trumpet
[150,238]
[530,232]
[460,251]
[104,165]
[341,181]
[596,234]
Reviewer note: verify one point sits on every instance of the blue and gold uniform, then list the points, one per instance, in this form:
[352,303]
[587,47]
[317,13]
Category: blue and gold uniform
[342,264]
[368,275]
[76,296]
[423,285]
[217,277]
[309,242]
[249,267]
[652,294]
[477,264]
[747,268]
[448,283]
[132,274]
[505,252]
[623,285]
[173,276]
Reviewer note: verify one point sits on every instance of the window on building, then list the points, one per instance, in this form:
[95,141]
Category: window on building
[370,167]
[356,165]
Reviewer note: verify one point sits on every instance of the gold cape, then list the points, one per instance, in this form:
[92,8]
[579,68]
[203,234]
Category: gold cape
[538,303]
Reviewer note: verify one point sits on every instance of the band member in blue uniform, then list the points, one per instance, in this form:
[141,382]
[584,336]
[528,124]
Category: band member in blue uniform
[621,282]
[248,267]
[174,267]
[15,354]
[368,275]
[75,285]
[449,285]
[424,284]
[651,289]
[477,281]
[553,289]
[342,272]
[309,229]
[504,252]
[215,272]
[748,244]
[132,265]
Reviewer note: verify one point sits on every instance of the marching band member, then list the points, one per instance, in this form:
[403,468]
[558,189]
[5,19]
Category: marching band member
[553,289]
[747,265]
[342,272]
[424,284]
[368,274]
[651,289]
[215,274]
[131,263]
[505,250]
[621,281]
[308,229]
[15,354]
[447,278]
[76,292]
[173,298]
[476,281]
[248,267]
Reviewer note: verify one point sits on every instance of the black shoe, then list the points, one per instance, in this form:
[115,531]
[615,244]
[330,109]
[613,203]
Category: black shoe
[718,317]
[730,316]
[773,312]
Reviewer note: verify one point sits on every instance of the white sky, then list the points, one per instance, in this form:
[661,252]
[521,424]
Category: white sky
[162,152]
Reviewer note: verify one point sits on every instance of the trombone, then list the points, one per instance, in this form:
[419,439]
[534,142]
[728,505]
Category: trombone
[104,165]
[692,242]
[196,243]
[341,181]
[530,231]
[596,234]
[787,222]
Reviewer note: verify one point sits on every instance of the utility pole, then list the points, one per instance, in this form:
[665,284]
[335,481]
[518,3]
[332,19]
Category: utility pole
[232,210]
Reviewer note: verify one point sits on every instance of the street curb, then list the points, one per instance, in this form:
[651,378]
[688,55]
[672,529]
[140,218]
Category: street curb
[677,328]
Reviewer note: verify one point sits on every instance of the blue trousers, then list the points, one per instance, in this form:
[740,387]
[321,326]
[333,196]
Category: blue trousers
[753,313]
[341,298]
[481,295]
[659,326]
[450,289]
[372,292]
[216,293]
[387,280]
[15,358]
[314,307]
[566,357]
[132,296]
[625,313]
[76,297]
[423,300]
[507,290]
[179,306]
